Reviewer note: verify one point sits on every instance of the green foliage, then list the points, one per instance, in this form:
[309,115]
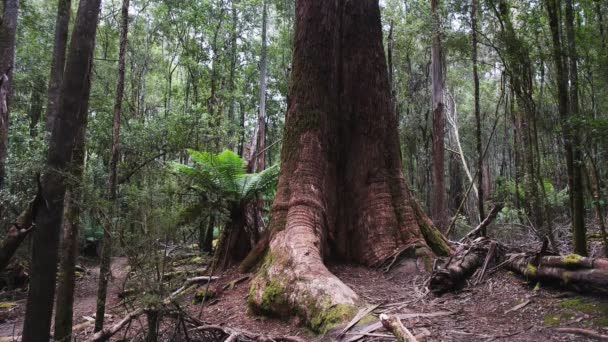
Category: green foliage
[222,177]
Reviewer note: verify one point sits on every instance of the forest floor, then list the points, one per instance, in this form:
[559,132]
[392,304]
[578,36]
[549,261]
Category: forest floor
[503,307]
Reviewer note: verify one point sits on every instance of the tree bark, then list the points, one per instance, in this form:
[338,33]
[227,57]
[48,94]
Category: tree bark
[478,133]
[231,83]
[62,24]
[261,141]
[69,243]
[234,243]
[48,217]
[8,32]
[341,191]
[439,205]
[106,255]
[580,243]
[579,232]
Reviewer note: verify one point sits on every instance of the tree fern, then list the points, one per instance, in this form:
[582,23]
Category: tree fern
[223,175]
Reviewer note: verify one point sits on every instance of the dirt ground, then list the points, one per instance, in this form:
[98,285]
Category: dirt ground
[503,307]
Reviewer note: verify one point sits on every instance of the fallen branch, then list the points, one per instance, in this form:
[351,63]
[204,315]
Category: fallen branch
[107,333]
[188,283]
[359,316]
[583,332]
[235,333]
[394,325]
[369,328]
[486,222]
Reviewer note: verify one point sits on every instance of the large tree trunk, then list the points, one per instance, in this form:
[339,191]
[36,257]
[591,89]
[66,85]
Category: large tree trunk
[8,32]
[64,302]
[439,210]
[113,183]
[62,24]
[48,217]
[341,191]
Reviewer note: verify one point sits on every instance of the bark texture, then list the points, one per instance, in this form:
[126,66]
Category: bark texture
[341,191]
[478,133]
[575,172]
[64,302]
[8,32]
[439,210]
[62,24]
[48,217]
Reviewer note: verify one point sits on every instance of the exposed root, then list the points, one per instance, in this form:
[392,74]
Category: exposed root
[293,279]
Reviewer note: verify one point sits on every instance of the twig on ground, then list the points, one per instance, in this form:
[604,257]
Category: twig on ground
[583,332]
[362,313]
[394,325]
[518,306]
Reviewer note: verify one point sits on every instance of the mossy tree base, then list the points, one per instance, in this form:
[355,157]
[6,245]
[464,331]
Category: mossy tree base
[342,193]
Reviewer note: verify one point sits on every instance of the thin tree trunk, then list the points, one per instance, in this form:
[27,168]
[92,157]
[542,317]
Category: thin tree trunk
[594,189]
[479,128]
[231,85]
[8,32]
[36,106]
[261,141]
[62,24]
[580,244]
[341,192]
[70,120]
[579,232]
[106,256]
[439,206]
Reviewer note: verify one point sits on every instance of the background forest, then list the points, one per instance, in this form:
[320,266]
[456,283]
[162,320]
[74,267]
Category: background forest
[523,125]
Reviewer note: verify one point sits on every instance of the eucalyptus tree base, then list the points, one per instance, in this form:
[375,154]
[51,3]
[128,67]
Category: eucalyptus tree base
[341,193]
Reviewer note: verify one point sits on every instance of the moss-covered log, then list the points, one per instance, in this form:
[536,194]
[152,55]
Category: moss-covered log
[453,272]
[574,271]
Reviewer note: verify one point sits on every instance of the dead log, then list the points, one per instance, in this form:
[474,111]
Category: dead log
[107,333]
[394,325]
[574,271]
[17,233]
[453,273]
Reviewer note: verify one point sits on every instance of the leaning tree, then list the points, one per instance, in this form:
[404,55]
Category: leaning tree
[341,193]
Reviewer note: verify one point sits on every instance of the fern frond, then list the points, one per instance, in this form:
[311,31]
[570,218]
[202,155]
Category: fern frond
[264,182]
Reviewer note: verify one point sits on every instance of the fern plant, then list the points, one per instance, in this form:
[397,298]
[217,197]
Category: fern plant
[222,177]
[224,186]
